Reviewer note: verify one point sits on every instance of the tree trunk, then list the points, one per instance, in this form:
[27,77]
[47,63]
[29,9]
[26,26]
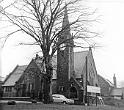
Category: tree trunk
[47,83]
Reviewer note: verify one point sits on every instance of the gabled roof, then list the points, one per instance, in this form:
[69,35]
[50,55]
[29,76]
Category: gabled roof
[109,83]
[14,75]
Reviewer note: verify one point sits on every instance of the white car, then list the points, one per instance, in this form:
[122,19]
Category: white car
[62,99]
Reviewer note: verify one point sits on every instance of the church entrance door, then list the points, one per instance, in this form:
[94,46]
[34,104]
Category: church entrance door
[73,92]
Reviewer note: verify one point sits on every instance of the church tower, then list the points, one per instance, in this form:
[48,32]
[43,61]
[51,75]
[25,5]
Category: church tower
[65,57]
[114,80]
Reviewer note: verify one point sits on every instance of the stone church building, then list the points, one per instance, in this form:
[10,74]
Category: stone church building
[75,70]
[72,71]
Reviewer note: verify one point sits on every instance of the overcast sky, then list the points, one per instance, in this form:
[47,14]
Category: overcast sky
[109,58]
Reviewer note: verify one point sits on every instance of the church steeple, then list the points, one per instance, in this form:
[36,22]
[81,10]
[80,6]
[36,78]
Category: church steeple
[69,42]
[65,19]
[65,26]
[65,57]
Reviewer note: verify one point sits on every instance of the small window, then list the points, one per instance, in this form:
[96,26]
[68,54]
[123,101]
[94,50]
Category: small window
[8,89]
[62,88]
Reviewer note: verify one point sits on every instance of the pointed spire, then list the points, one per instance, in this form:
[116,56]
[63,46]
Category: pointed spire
[65,19]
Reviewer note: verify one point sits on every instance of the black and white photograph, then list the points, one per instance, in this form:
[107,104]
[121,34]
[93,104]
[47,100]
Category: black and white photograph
[61,54]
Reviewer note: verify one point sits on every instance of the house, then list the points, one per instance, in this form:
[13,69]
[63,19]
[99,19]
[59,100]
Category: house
[117,93]
[9,83]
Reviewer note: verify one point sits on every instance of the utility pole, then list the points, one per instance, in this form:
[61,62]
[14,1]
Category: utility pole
[86,83]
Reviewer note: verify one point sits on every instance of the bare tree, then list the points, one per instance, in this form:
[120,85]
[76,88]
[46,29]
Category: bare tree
[42,20]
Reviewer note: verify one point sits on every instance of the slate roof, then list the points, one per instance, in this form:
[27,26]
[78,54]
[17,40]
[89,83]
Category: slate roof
[14,75]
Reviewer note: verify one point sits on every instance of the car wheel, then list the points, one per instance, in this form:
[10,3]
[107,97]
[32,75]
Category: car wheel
[64,102]
[11,102]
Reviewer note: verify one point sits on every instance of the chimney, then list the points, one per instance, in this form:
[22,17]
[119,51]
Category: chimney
[114,81]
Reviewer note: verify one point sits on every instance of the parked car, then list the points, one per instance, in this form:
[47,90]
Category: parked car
[58,98]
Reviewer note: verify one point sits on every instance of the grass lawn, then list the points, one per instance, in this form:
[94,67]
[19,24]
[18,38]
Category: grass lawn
[40,106]
[114,102]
